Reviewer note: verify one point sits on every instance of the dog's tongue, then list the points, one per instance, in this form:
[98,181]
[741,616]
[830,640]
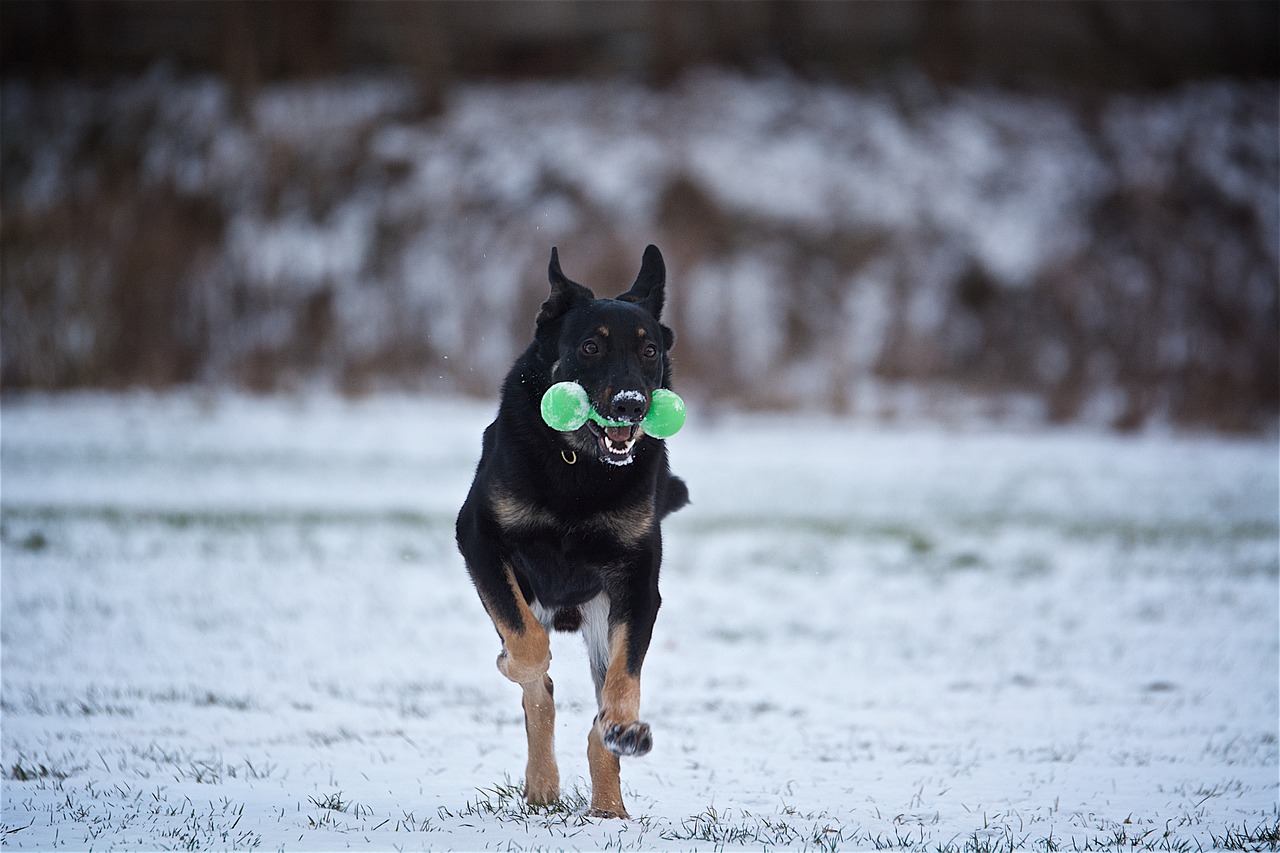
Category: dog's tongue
[619,435]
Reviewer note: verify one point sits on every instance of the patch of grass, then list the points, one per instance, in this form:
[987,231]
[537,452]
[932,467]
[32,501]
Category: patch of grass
[342,735]
[793,830]
[997,841]
[226,520]
[790,829]
[332,805]
[186,765]
[1177,533]
[1264,836]
[7,830]
[35,542]
[114,701]
[103,814]
[205,772]
[506,802]
[915,540]
[43,768]
[332,802]
[897,841]
[966,560]
[216,828]
[209,699]
[21,772]
[716,827]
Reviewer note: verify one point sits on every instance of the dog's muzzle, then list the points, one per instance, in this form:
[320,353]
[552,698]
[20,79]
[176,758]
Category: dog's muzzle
[617,441]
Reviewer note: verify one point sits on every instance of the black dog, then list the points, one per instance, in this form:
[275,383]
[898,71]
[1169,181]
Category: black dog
[561,529]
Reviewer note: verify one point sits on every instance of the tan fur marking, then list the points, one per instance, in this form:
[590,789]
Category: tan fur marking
[604,331]
[526,648]
[513,513]
[541,776]
[620,697]
[628,526]
[606,786]
[642,332]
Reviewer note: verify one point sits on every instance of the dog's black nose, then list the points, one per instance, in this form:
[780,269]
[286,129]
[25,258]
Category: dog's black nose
[629,406]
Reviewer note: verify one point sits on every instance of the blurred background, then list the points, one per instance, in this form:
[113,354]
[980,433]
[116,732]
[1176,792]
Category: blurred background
[1055,212]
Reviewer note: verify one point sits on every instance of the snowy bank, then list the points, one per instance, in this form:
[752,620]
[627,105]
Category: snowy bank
[1111,258]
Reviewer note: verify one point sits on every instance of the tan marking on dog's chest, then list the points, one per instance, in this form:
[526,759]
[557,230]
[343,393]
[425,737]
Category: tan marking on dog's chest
[513,513]
[628,525]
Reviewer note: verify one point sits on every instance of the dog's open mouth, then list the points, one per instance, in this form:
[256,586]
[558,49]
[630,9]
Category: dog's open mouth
[616,443]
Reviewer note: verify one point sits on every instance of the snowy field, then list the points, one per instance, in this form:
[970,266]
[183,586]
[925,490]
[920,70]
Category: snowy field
[234,622]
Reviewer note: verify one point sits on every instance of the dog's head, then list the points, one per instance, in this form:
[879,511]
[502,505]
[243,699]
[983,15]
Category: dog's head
[616,349]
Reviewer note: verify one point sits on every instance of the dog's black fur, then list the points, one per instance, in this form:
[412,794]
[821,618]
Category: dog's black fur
[556,519]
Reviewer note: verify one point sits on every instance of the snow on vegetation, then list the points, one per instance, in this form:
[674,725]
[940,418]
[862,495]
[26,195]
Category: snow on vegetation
[1112,257]
[238,622]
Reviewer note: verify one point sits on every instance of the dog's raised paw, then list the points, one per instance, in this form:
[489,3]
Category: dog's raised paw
[630,739]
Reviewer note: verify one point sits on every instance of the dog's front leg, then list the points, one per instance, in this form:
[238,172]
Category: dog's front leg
[617,722]
[617,729]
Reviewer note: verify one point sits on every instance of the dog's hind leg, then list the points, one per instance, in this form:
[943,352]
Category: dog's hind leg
[541,776]
[606,784]
[525,658]
[526,649]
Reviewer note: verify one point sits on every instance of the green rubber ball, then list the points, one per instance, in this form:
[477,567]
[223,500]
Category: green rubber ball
[666,414]
[565,406]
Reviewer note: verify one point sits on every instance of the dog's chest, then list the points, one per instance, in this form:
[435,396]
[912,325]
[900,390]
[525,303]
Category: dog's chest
[625,526]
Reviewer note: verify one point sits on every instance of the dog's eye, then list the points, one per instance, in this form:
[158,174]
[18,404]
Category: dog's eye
[650,351]
[590,348]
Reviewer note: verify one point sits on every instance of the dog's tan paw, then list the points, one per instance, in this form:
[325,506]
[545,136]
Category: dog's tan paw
[542,792]
[627,738]
[619,813]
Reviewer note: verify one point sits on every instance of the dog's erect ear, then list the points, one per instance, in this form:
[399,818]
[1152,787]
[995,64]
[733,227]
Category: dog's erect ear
[564,293]
[649,291]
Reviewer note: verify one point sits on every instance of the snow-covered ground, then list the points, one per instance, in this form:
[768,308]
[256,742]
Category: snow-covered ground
[237,622]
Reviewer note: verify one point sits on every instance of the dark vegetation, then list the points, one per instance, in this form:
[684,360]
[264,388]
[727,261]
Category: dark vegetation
[271,194]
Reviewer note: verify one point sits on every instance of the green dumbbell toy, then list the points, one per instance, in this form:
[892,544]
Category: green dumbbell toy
[566,407]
